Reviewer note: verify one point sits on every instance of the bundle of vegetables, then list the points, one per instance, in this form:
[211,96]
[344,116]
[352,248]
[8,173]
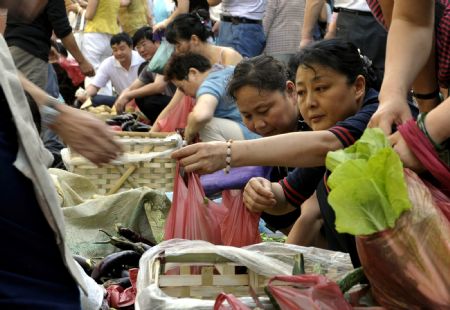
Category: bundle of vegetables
[403,239]
[117,272]
[127,122]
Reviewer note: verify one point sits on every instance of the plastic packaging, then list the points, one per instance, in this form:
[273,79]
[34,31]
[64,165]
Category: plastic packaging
[408,266]
[240,226]
[233,303]
[307,292]
[268,259]
[177,117]
[192,215]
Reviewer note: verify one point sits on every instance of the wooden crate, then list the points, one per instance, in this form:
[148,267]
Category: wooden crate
[157,173]
[204,276]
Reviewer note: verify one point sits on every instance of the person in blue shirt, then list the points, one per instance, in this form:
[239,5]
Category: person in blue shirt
[215,116]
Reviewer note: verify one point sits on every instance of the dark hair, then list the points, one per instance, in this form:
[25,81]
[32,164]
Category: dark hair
[177,68]
[121,37]
[340,56]
[186,25]
[262,72]
[145,32]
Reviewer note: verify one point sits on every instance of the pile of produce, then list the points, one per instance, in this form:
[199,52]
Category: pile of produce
[117,272]
[127,122]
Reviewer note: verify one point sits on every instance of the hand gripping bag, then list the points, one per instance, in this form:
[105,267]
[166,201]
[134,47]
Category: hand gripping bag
[305,292]
[240,226]
[192,215]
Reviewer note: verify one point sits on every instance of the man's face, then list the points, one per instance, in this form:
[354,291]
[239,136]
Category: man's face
[146,48]
[122,52]
[27,10]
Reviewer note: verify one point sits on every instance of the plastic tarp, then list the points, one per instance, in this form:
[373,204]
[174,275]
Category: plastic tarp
[254,257]
[144,210]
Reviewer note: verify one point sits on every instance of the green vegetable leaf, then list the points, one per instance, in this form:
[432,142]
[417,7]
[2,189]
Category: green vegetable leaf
[368,191]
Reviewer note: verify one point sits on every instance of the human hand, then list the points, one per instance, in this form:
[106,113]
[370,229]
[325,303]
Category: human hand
[305,41]
[86,134]
[159,26]
[204,157]
[407,157]
[122,101]
[86,68]
[389,113]
[258,195]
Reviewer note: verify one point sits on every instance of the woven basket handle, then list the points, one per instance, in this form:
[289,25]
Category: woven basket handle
[126,175]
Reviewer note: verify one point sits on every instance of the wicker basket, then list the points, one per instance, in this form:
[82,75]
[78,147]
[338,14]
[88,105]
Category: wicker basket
[146,162]
[204,276]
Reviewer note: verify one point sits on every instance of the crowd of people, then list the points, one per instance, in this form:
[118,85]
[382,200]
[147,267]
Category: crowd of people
[275,83]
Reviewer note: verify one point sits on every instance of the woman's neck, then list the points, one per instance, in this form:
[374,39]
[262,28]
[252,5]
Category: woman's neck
[212,52]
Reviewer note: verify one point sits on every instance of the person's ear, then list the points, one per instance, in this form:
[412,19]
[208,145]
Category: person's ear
[360,87]
[195,39]
[291,91]
[192,74]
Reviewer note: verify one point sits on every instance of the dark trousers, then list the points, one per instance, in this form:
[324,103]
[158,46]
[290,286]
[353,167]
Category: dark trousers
[152,106]
[366,33]
[32,272]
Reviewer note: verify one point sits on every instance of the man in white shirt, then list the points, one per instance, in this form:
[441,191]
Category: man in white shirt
[121,69]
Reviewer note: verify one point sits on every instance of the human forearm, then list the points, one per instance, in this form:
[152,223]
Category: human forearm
[71,45]
[282,206]
[437,122]
[91,9]
[309,150]
[312,12]
[411,29]
[195,123]
[214,2]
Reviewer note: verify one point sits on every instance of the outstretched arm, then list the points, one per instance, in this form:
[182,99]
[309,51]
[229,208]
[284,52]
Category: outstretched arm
[299,149]
[409,59]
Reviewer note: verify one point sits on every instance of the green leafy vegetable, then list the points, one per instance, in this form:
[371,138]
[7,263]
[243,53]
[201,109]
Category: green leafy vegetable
[368,191]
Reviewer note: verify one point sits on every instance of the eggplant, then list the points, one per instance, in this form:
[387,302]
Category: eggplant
[127,126]
[85,263]
[131,235]
[124,244]
[114,263]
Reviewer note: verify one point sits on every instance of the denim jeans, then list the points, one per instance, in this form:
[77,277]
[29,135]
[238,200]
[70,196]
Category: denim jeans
[248,39]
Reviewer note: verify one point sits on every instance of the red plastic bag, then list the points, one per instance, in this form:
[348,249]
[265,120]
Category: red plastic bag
[240,226]
[408,266]
[118,297]
[177,117]
[307,292]
[233,303]
[72,68]
[192,215]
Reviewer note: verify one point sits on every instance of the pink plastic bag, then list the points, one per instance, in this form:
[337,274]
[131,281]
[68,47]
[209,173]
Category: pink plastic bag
[177,117]
[72,68]
[192,215]
[307,292]
[240,226]
[233,303]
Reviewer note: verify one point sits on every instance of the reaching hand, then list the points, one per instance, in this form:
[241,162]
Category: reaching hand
[408,158]
[86,134]
[389,113]
[121,102]
[86,68]
[258,195]
[206,157]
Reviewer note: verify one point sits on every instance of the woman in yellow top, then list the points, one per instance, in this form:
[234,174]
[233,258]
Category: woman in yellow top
[134,16]
[101,24]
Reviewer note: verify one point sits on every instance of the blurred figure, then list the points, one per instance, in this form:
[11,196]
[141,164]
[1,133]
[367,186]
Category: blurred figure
[134,16]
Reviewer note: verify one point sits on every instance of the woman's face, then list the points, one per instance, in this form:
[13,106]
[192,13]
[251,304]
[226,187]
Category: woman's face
[325,96]
[268,112]
[182,46]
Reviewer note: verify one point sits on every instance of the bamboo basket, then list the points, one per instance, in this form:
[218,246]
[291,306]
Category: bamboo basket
[131,171]
[204,276]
